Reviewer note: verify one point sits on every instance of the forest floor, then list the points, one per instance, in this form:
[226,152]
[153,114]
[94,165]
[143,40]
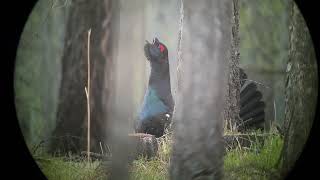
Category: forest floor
[259,161]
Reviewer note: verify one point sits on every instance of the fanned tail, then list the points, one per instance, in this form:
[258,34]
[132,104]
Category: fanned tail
[252,108]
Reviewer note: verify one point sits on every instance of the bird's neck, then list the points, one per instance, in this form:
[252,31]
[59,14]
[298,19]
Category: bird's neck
[159,77]
[160,81]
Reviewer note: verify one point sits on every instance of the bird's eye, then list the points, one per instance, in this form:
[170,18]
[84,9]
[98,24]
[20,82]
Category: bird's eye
[161,47]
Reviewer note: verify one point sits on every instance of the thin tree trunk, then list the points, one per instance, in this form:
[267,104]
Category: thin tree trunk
[232,109]
[301,90]
[198,146]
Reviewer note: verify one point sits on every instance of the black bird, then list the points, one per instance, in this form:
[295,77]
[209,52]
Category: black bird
[158,103]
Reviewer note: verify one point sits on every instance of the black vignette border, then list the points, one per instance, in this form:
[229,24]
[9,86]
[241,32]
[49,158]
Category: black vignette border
[18,161]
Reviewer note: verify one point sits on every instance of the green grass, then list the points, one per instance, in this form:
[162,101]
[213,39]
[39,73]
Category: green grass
[70,169]
[257,162]
[157,167]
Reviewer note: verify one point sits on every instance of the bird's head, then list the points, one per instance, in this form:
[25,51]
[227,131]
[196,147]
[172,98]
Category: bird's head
[156,51]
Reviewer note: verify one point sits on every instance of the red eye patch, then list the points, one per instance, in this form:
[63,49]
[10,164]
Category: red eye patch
[161,47]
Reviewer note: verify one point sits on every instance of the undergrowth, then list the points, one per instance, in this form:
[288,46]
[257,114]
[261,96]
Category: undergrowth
[259,161]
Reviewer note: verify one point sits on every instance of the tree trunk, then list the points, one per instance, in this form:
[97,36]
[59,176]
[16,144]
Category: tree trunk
[127,84]
[232,109]
[198,142]
[301,90]
[71,115]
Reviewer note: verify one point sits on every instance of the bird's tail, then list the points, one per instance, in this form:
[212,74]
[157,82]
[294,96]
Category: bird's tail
[252,108]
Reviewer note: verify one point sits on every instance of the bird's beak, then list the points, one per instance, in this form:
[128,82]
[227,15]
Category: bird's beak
[155,41]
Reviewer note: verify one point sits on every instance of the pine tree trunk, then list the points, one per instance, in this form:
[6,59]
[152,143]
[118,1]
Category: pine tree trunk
[301,90]
[198,147]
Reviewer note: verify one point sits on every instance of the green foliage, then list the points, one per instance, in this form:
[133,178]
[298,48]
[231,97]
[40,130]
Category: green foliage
[264,34]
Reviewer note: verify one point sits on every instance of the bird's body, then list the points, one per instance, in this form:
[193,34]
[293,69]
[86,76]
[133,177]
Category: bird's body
[158,104]
[152,105]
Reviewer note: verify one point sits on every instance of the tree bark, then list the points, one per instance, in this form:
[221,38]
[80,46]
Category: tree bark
[301,90]
[232,109]
[71,115]
[198,142]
